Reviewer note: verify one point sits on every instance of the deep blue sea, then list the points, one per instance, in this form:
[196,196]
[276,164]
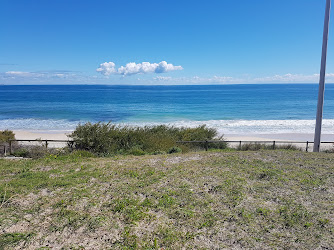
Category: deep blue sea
[241,109]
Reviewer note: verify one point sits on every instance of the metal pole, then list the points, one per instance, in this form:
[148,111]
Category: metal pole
[317,134]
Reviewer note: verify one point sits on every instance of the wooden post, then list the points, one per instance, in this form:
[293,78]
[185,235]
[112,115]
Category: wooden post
[240,145]
[10,147]
[46,144]
[4,150]
[307,146]
[206,145]
[274,145]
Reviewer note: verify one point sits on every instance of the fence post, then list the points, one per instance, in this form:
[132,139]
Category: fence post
[240,144]
[307,146]
[46,144]
[274,145]
[4,150]
[10,147]
[206,145]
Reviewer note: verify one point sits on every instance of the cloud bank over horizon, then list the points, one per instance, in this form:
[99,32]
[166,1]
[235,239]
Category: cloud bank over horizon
[14,77]
[132,68]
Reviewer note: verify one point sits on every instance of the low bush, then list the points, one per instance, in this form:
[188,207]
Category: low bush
[35,152]
[107,138]
[22,152]
[174,150]
[259,146]
[6,135]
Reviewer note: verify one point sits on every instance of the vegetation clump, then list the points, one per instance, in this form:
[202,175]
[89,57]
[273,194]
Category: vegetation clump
[6,136]
[107,138]
[261,146]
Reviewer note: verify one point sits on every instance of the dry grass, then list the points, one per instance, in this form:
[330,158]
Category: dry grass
[206,200]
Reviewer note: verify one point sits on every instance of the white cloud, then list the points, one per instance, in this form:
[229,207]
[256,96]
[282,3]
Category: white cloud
[74,77]
[197,80]
[162,78]
[41,77]
[108,68]
[285,78]
[293,78]
[20,74]
[39,74]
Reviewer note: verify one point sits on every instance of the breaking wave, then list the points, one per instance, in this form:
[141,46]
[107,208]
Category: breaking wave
[242,127]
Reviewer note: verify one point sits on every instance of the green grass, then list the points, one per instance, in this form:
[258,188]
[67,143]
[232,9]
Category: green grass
[203,200]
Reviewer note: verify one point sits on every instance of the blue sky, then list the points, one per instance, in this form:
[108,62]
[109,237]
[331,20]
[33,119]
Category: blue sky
[181,42]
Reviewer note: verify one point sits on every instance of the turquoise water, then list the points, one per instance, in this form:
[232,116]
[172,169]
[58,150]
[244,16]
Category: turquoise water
[234,108]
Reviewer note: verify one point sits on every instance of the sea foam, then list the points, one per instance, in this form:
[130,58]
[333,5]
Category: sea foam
[242,127]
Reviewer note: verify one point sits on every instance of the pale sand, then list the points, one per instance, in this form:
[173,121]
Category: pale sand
[41,134]
[62,135]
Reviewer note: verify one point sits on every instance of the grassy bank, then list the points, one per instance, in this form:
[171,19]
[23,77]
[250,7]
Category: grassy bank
[205,200]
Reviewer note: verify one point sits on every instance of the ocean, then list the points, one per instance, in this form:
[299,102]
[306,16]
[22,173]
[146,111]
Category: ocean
[232,109]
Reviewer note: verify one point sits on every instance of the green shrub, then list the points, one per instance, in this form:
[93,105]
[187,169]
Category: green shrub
[22,152]
[158,152]
[136,150]
[82,153]
[251,147]
[107,138]
[34,152]
[269,146]
[6,135]
[287,147]
[174,150]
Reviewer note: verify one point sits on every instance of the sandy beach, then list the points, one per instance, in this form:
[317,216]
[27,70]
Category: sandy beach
[63,135]
[41,134]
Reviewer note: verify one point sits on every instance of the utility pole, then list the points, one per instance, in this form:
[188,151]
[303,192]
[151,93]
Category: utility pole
[317,134]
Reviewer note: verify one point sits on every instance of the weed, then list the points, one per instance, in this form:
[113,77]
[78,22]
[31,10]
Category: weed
[12,239]
[174,150]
